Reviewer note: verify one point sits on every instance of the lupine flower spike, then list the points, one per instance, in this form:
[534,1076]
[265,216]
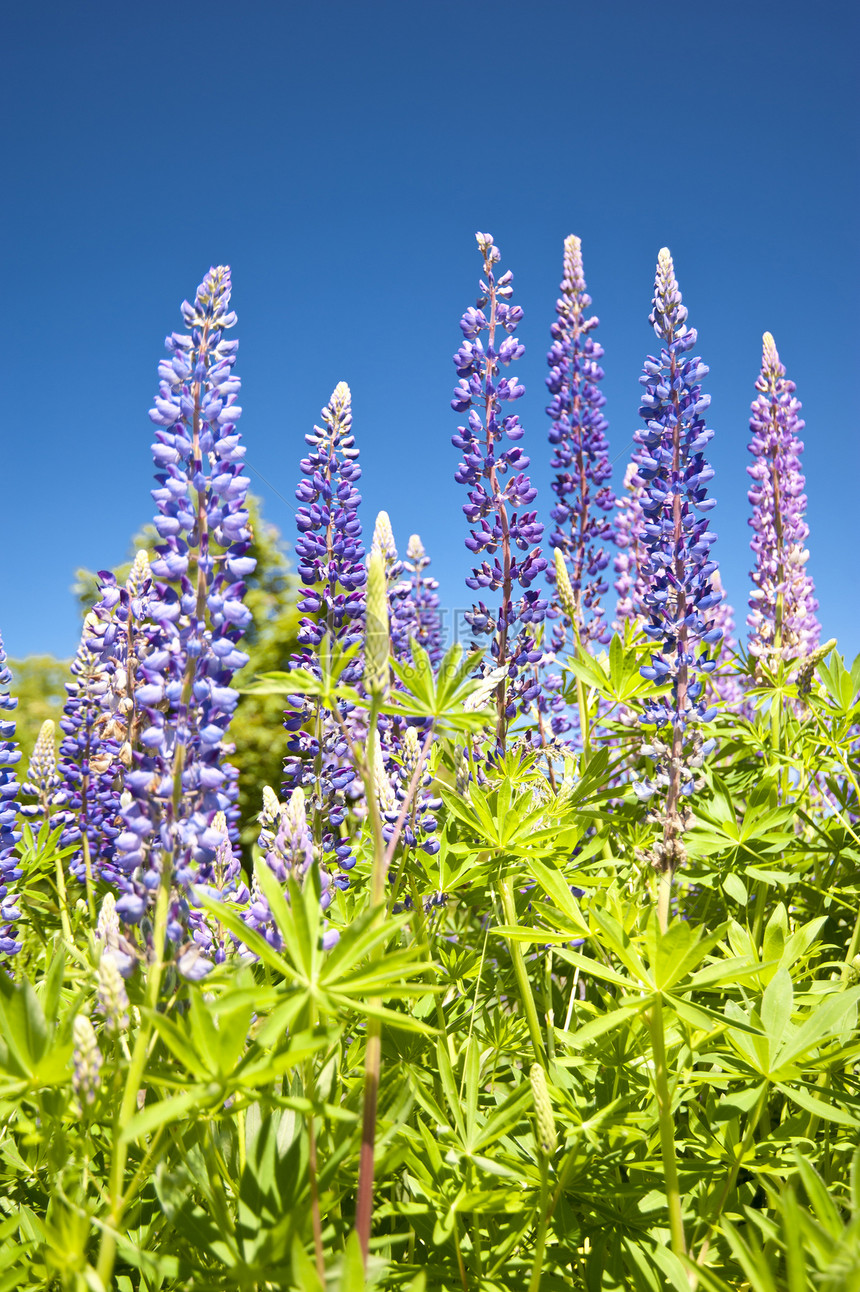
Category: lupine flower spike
[783,623]
[180,780]
[425,626]
[10,754]
[630,559]
[331,567]
[681,598]
[498,487]
[581,456]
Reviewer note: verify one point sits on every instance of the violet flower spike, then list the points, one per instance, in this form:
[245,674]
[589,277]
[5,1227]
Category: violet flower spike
[179,781]
[783,622]
[630,559]
[331,566]
[10,871]
[581,454]
[499,490]
[681,598]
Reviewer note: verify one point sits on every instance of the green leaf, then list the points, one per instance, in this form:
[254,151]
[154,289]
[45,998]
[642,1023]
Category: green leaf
[155,1115]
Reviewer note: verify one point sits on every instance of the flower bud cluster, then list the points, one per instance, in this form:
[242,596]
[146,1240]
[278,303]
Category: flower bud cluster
[43,783]
[782,621]
[179,781]
[500,491]
[111,995]
[10,754]
[581,453]
[87,1058]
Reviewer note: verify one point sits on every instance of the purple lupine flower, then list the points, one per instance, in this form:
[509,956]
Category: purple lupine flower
[178,781]
[420,825]
[724,684]
[10,871]
[224,883]
[498,488]
[630,559]
[423,601]
[331,566]
[329,550]
[287,836]
[681,598]
[89,765]
[783,621]
[581,455]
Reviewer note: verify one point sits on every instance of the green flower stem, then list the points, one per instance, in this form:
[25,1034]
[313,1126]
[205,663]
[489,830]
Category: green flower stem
[540,1241]
[731,1180]
[373,1051]
[506,896]
[584,724]
[667,1126]
[63,902]
[134,1077]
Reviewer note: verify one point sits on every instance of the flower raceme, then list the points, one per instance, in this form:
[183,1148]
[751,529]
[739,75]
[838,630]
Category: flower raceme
[180,780]
[580,451]
[680,597]
[10,755]
[499,488]
[783,620]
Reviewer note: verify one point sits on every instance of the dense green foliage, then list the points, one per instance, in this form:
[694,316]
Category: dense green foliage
[570,1098]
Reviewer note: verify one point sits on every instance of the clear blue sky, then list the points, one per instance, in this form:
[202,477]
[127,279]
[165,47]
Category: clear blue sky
[341,157]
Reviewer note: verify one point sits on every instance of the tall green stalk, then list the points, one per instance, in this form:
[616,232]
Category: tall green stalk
[667,1127]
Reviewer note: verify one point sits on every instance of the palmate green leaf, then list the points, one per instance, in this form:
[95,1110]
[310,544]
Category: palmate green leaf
[22,1025]
[608,1022]
[452,699]
[554,884]
[159,1114]
[802,1096]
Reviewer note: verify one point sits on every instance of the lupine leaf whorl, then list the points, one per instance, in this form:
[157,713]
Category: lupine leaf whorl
[498,486]
[196,602]
[680,598]
[376,640]
[783,622]
[581,454]
[10,754]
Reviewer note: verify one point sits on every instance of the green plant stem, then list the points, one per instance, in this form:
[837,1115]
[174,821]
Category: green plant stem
[503,888]
[584,725]
[731,1180]
[664,898]
[88,876]
[548,1009]
[373,1051]
[540,1241]
[63,900]
[667,1127]
[134,1077]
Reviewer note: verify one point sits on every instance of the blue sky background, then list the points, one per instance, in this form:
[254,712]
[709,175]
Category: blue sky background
[341,157]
